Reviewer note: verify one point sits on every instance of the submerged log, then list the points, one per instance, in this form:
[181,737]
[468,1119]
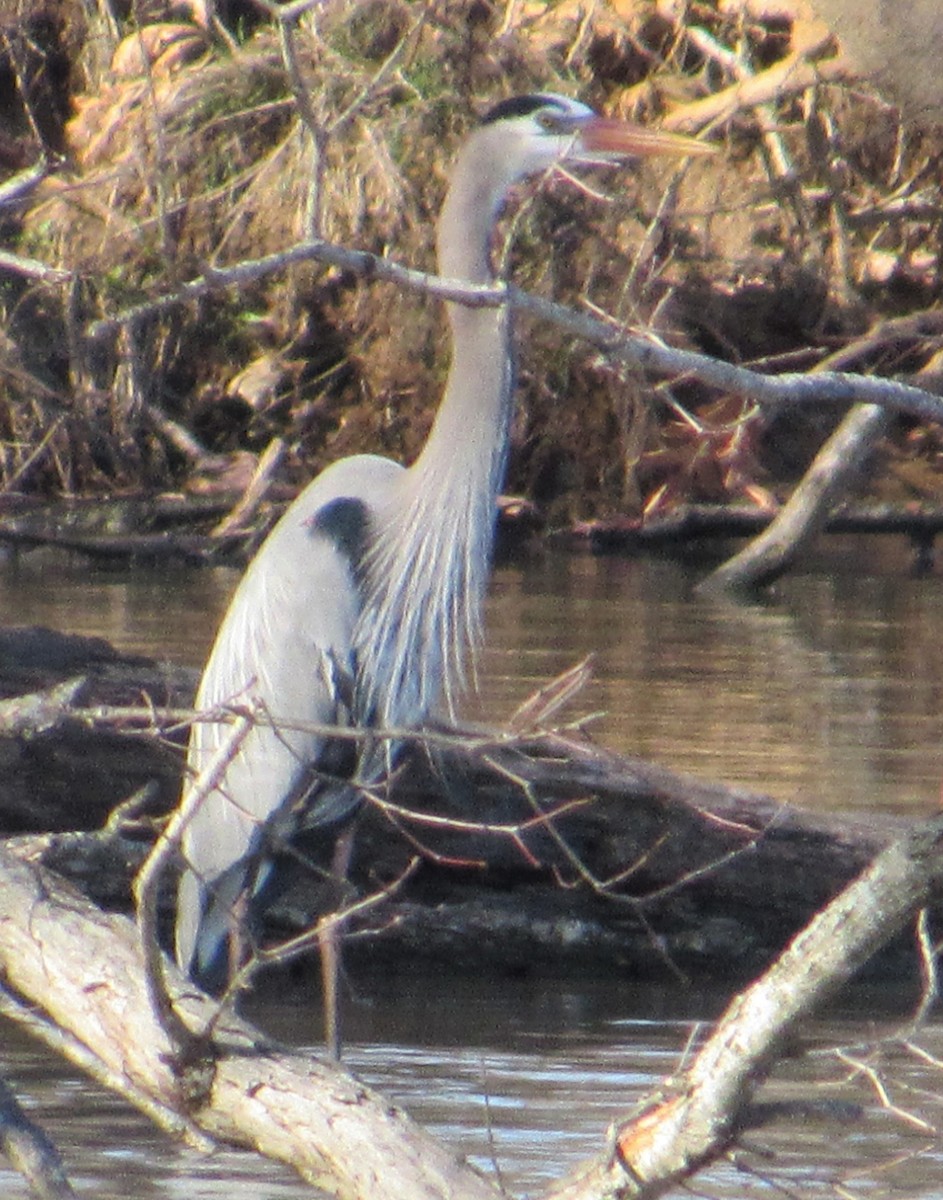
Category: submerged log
[542,851]
[629,867]
[58,772]
[693,523]
[181,529]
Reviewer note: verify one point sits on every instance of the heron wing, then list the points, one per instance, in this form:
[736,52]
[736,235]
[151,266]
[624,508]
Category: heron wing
[285,649]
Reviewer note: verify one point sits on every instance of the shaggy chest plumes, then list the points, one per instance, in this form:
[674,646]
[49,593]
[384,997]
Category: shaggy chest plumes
[434,541]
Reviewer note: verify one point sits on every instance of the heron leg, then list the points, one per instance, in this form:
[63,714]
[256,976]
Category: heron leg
[236,941]
[329,944]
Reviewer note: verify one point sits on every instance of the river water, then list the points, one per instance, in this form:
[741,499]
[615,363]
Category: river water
[829,695]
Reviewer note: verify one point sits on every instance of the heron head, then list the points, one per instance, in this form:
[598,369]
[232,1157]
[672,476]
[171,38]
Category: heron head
[523,136]
[544,129]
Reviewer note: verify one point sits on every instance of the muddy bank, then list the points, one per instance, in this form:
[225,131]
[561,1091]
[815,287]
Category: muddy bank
[814,226]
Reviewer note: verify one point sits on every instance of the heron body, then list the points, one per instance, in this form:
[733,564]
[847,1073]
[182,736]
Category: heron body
[363,603]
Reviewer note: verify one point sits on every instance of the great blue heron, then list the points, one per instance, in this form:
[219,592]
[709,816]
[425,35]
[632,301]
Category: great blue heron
[360,607]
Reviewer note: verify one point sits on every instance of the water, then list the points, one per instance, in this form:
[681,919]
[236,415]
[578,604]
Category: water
[526,1077]
[828,696]
[832,696]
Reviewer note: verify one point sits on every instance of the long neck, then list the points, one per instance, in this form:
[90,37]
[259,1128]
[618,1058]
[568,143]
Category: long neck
[465,452]
[470,432]
[438,535]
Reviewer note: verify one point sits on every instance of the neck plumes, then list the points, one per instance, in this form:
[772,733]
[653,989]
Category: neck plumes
[435,542]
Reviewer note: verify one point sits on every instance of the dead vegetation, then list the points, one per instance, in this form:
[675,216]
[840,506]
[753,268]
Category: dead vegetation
[185,147]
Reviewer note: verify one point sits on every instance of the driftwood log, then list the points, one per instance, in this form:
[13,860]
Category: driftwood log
[488,851]
[73,975]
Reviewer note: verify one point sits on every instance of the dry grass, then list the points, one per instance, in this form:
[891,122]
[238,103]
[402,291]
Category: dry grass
[185,149]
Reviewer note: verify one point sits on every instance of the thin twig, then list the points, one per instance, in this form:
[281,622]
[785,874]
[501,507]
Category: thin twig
[290,949]
[287,27]
[379,77]
[35,455]
[877,1083]
[32,268]
[18,187]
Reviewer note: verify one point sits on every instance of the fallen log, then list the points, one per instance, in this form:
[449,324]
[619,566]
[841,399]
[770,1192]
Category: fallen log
[584,859]
[518,521]
[194,530]
[690,523]
[72,975]
[56,772]
[522,852]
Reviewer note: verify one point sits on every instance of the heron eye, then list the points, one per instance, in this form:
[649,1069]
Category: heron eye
[553,122]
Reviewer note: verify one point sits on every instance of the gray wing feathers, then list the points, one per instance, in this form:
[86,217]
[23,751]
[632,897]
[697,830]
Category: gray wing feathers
[284,645]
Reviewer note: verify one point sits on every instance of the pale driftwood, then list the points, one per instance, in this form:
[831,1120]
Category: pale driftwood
[82,969]
[835,470]
[701,1114]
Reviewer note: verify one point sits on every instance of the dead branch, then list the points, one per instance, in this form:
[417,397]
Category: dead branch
[82,968]
[699,1115]
[835,469]
[536,711]
[789,77]
[640,349]
[147,882]
[242,513]
[30,1151]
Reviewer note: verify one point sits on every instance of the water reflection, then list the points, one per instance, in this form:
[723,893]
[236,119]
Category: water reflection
[829,696]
